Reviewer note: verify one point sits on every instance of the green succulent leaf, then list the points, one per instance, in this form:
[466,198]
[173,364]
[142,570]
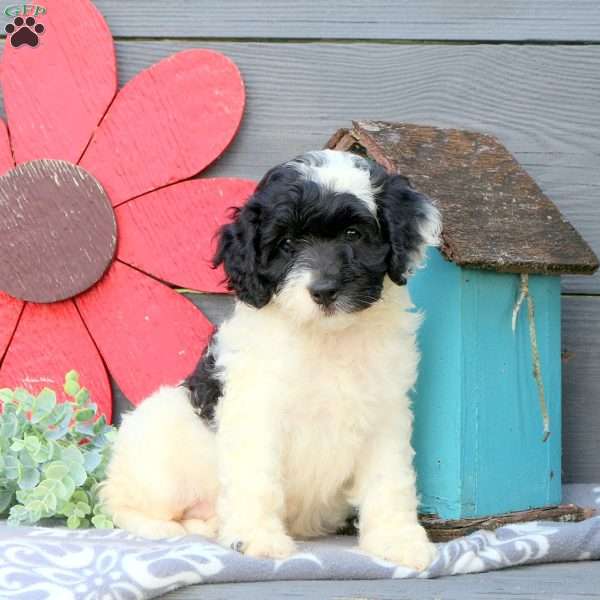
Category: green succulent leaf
[26,459]
[92,459]
[82,396]
[43,405]
[71,387]
[10,424]
[100,424]
[17,445]
[85,429]
[56,470]
[67,509]
[58,433]
[23,496]
[23,398]
[82,509]
[72,454]
[72,376]
[6,395]
[60,428]
[6,499]
[28,478]
[44,452]
[80,496]
[78,474]
[69,486]
[59,413]
[32,444]
[12,467]
[102,522]
[84,414]
[37,505]
[18,514]
[73,522]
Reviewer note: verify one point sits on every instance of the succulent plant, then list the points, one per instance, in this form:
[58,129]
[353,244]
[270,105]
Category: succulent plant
[53,456]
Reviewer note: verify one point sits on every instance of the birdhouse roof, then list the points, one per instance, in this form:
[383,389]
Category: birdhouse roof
[494,214]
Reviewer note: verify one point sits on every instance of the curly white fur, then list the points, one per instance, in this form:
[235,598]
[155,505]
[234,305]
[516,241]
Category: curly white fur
[339,172]
[314,420]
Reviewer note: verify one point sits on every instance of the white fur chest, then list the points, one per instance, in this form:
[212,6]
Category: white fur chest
[328,418]
[326,389]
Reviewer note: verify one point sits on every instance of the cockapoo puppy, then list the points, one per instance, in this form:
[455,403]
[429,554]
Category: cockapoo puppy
[298,412]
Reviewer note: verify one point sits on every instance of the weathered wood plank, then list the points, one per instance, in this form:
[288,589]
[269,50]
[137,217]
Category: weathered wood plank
[378,19]
[539,101]
[59,328]
[216,307]
[72,73]
[190,212]
[581,389]
[569,581]
[167,124]
[6,157]
[10,311]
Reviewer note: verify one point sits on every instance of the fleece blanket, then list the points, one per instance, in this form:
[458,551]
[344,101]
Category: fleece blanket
[58,564]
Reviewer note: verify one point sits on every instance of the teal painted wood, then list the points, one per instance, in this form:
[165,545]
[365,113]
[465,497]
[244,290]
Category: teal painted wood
[437,402]
[478,424]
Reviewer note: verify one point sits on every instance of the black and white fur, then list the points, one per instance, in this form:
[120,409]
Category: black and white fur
[298,412]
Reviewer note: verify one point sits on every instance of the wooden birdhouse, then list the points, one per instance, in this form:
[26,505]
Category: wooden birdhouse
[488,399]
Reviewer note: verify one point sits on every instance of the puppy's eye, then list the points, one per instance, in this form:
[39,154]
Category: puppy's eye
[288,245]
[352,234]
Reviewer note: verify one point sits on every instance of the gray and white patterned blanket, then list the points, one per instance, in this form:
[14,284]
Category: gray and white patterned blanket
[59,564]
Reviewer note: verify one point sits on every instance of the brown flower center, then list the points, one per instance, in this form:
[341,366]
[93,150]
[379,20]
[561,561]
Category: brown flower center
[58,232]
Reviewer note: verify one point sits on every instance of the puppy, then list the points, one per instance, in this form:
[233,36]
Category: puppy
[298,412]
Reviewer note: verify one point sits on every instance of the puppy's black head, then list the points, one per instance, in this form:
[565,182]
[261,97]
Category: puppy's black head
[321,232]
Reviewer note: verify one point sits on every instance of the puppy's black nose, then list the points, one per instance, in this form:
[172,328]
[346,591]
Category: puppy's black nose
[324,292]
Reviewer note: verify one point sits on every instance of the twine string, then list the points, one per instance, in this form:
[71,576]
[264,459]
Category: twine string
[535,354]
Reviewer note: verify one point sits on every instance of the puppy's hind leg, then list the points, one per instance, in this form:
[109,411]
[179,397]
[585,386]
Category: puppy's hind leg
[145,526]
[206,528]
[162,471]
[201,520]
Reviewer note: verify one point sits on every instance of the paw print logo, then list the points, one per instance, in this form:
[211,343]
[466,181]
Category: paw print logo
[24,31]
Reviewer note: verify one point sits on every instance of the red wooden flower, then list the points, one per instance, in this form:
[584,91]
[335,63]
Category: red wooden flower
[94,212]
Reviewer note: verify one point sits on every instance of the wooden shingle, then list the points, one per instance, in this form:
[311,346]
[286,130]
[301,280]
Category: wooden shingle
[495,216]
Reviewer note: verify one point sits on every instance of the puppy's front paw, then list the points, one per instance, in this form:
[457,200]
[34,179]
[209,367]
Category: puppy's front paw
[270,545]
[263,544]
[407,546]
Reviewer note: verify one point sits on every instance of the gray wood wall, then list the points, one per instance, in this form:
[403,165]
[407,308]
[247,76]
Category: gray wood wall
[526,71]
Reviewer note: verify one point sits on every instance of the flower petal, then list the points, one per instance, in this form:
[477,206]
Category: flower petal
[171,233]
[56,93]
[50,340]
[6,158]
[10,311]
[148,334]
[167,124]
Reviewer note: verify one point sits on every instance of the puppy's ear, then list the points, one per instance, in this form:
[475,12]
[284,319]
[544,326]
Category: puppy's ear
[239,252]
[243,250]
[410,222]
